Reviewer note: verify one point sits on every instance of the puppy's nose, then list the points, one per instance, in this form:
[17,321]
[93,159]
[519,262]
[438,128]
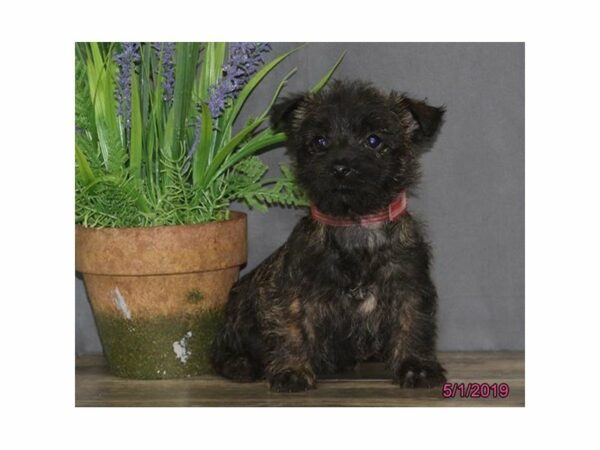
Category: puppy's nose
[340,170]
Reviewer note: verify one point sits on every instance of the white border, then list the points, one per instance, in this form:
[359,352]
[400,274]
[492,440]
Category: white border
[562,224]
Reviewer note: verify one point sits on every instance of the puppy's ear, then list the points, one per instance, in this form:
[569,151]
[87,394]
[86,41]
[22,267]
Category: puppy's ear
[420,120]
[427,119]
[285,114]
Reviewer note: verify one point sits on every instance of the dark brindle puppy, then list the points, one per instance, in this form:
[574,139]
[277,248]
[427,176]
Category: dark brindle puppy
[337,293]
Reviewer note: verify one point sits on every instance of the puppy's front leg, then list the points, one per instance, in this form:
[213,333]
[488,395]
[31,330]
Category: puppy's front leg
[288,366]
[412,344]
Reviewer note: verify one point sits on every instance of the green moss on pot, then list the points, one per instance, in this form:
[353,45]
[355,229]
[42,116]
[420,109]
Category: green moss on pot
[194,296]
[158,348]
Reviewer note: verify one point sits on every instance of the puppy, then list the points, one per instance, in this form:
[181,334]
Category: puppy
[352,282]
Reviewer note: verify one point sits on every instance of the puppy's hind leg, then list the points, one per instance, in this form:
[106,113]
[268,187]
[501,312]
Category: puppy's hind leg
[237,366]
[236,349]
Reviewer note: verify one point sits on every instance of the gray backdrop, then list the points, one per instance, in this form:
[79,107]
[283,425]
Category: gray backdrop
[472,194]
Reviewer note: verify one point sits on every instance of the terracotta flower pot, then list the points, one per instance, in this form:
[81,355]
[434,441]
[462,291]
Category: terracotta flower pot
[157,293]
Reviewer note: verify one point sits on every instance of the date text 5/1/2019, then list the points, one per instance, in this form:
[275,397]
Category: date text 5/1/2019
[475,390]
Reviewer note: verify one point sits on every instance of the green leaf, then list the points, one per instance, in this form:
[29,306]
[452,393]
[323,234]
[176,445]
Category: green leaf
[186,60]
[167,147]
[245,183]
[146,85]
[278,91]
[202,155]
[226,118]
[84,168]
[212,67]
[267,138]
[226,150]
[135,145]
[252,83]
[323,81]
[160,124]
[255,145]
[101,73]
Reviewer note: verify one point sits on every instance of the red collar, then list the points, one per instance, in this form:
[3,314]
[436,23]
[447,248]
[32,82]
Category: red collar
[395,209]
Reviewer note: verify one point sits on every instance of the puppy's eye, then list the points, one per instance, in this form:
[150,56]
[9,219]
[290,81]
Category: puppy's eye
[373,141]
[321,142]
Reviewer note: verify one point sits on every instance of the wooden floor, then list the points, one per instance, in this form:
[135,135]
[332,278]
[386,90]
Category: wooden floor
[368,385]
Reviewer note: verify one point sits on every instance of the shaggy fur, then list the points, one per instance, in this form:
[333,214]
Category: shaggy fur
[333,296]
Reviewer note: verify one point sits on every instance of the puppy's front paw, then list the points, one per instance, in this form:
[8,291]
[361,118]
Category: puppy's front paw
[293,380]
[415,373]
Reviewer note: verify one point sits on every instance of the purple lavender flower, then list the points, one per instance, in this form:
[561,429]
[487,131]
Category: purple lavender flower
[166,51]
[130,54]
[244,60]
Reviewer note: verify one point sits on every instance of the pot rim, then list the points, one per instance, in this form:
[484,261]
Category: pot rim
[162,250]
[234,216]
